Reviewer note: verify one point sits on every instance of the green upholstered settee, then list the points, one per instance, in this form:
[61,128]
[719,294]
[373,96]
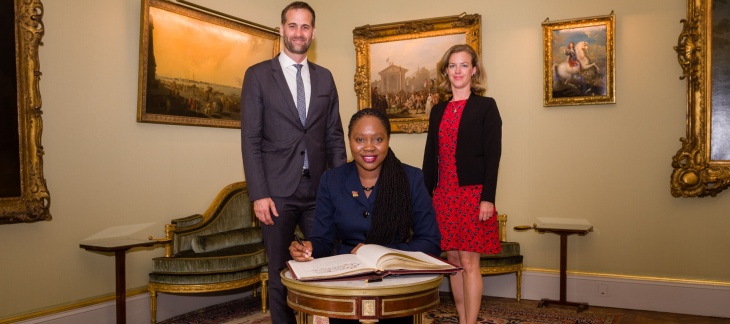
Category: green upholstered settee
[219,250]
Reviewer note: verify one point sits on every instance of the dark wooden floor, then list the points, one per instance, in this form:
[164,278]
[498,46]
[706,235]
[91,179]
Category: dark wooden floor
[629,316]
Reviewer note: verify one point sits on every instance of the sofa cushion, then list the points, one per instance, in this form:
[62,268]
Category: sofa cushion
[230,259]
[222,240]
[202,279]
[499,262]
[508,249]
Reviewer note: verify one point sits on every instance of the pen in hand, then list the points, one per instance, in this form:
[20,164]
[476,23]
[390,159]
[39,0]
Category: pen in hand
[301,242]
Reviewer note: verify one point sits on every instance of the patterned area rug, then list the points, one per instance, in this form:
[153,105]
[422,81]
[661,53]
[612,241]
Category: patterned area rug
[508,311]
[493,311]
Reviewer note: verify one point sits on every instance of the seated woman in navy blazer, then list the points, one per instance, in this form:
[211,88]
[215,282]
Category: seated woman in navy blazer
[375,199]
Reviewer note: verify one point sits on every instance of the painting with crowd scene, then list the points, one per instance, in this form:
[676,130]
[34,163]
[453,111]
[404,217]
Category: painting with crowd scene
[579,61]
[396,65]
[192,63]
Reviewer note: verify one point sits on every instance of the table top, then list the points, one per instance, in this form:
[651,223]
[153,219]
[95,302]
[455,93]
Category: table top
[391,285]
[117,244]
[563,225]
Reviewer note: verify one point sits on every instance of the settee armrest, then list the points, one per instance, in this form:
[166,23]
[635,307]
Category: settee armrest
[181,223]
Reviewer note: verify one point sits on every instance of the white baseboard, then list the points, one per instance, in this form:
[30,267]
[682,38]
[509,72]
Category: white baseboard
[660,295]
[138,309]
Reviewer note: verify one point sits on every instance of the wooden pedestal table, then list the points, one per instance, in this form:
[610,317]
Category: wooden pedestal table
[563,227]
[408,295]
[120,248]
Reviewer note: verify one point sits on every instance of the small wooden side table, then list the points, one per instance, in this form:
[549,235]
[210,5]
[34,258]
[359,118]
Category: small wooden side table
[563,229]
[119,247]
[367,302]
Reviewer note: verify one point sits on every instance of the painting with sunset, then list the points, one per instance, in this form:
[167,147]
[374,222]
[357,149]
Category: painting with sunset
[192,64]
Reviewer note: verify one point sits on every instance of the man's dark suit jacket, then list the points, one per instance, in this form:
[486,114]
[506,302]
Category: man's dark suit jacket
[478,146]
[272,137]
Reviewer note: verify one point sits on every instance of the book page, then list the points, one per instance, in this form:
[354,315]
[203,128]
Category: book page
[411,260]
[329,267]
[373,252]
[388,259]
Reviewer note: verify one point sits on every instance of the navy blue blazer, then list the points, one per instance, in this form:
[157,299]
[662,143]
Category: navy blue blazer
[343,212]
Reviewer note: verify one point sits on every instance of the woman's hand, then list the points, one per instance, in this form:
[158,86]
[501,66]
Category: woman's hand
[301,252]
[486,211]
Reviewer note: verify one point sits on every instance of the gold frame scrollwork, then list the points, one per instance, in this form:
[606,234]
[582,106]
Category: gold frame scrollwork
[34,201]
[365,36]
[695,173]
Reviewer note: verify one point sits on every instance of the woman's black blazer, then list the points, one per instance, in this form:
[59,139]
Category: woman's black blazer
[478,145]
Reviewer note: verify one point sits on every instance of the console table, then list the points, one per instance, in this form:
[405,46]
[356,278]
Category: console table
[119,247]
[563,227]
[367,302]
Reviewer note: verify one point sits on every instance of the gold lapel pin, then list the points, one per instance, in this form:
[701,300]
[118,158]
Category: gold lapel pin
[354,194]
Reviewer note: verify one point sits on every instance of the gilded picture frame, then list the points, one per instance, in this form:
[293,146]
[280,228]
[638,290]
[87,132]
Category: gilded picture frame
[24,196]
[702,165]
[192,62]
[396,65]
[579,61]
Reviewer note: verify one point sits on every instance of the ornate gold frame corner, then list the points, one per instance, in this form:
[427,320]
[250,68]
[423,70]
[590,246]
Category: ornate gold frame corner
[576,95]
[147,66]
[365,36]
[34,203]
[695,173]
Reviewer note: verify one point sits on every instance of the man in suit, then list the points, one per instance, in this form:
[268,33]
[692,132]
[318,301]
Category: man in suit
[291,133]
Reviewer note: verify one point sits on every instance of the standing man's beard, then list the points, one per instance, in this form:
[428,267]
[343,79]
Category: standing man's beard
[297,50]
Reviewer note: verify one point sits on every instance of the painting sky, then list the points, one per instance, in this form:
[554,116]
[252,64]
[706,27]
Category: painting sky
[411,54]
[595,36]
[196,50]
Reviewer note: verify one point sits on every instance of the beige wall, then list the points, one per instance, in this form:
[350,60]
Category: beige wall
[609,164]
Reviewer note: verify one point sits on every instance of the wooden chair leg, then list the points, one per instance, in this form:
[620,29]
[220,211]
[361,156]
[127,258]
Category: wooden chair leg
[519,285]
[264,294]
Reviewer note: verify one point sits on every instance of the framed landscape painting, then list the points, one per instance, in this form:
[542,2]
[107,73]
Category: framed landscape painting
[579,61]
[396,65]
[192,64]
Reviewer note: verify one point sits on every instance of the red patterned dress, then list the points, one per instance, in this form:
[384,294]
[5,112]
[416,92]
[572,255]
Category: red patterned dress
[457,208]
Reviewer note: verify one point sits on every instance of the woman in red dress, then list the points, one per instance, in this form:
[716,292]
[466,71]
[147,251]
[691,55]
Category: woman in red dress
[460,165]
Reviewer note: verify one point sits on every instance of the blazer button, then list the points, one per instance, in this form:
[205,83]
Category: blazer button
[305,131]
[301,153]
[366,214]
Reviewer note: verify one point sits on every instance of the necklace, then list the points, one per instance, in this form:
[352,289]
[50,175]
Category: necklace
[368,188]
[457,106]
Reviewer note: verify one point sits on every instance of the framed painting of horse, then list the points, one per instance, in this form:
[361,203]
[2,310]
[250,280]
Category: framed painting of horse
[579,61]
[396,65]
[191,63]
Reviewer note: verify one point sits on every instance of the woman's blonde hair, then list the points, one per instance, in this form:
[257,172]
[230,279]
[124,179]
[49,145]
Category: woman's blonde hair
[477,80]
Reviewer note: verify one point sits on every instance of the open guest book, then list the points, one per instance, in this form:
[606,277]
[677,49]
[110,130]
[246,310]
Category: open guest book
[370,261]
